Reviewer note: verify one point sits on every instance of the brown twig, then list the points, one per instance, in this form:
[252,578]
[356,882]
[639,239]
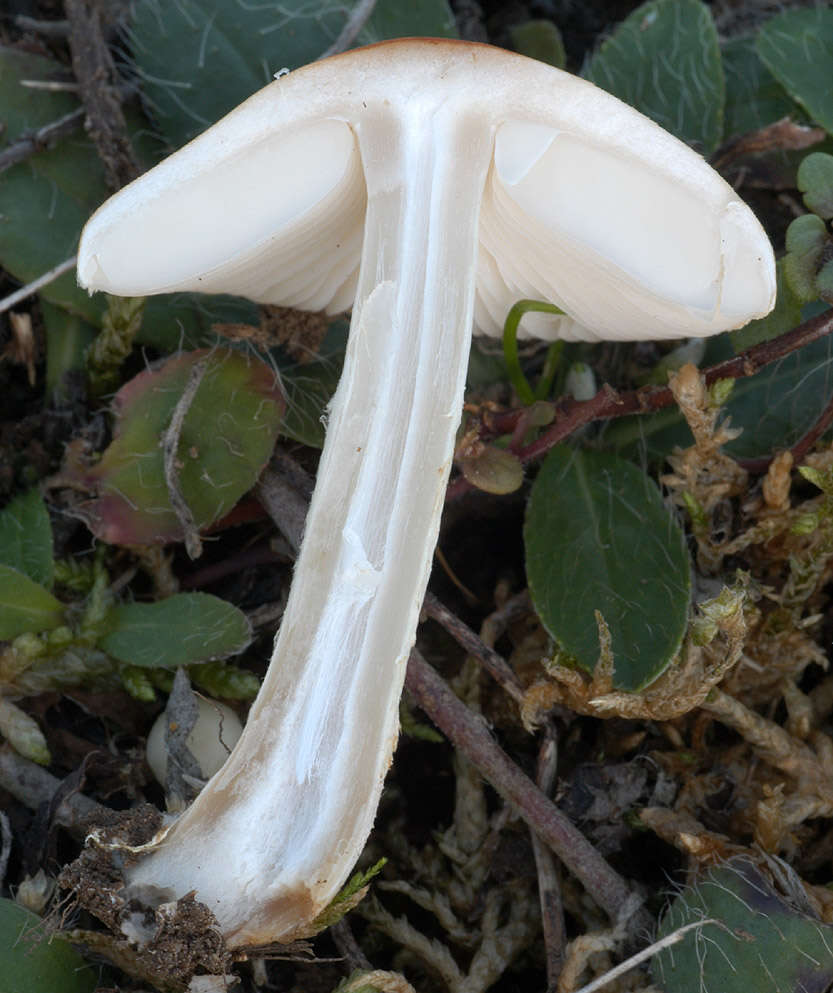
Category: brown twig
[34,786]
[36,140]
[13,299]
[781,135]
[93,66]
[492,662]
[348,947]
[172,465]
[469,734]
[284,489]
[608,404]
[549,888]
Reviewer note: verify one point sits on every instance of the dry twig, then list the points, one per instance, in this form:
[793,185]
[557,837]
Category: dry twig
[93,66]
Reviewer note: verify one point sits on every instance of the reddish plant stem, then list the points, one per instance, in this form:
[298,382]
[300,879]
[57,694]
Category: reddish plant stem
[470,735]
[800,448]
[609,403]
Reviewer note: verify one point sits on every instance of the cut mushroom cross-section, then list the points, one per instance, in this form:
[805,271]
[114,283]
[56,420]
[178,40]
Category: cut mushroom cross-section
[429,184]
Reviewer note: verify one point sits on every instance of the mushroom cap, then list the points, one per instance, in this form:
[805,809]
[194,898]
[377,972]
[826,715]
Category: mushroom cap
[587,203]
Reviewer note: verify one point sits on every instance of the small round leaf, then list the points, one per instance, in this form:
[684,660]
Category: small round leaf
[815,180]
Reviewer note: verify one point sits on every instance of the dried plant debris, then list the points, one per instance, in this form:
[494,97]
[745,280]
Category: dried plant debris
[712,646]
[486,917]
[165,945]
[752,661]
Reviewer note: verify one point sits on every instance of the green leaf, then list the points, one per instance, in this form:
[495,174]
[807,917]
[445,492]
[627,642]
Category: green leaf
[493,470]
[45,200]
[784,316]
[201,58]
[224,680]
[815,180]
[541,40]
[26,537]
[806,240]
[797,46]
[25,605]
[416,19]
[664,59]
[310,386]
[754,97]
[33,961]
[749,938]
[227,436]
[179,630]
[598,538]
[176,321]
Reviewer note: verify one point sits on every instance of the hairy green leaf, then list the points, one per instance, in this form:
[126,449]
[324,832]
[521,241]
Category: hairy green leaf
[664,59]
[179,630]
[227,435]
[806,240]
[176,321]
[310,386]
[797,46]
[599,539]
[754,97]
[33,961]
[197,59]
[749,938]
[815,180]
[45,200]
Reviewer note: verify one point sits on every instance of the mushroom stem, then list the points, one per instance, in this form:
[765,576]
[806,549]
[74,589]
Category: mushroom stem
[296,800]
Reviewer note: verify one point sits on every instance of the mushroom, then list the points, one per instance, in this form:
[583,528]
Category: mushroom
[430,184]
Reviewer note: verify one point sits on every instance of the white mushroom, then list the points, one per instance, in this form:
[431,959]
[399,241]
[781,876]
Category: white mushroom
[431,184]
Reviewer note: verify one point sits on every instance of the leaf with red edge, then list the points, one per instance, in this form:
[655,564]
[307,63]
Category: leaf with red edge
[227,436]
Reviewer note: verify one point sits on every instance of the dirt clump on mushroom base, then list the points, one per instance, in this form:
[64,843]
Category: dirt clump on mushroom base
[165,945]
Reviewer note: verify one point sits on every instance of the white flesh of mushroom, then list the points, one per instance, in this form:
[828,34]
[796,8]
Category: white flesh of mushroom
[434,183]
